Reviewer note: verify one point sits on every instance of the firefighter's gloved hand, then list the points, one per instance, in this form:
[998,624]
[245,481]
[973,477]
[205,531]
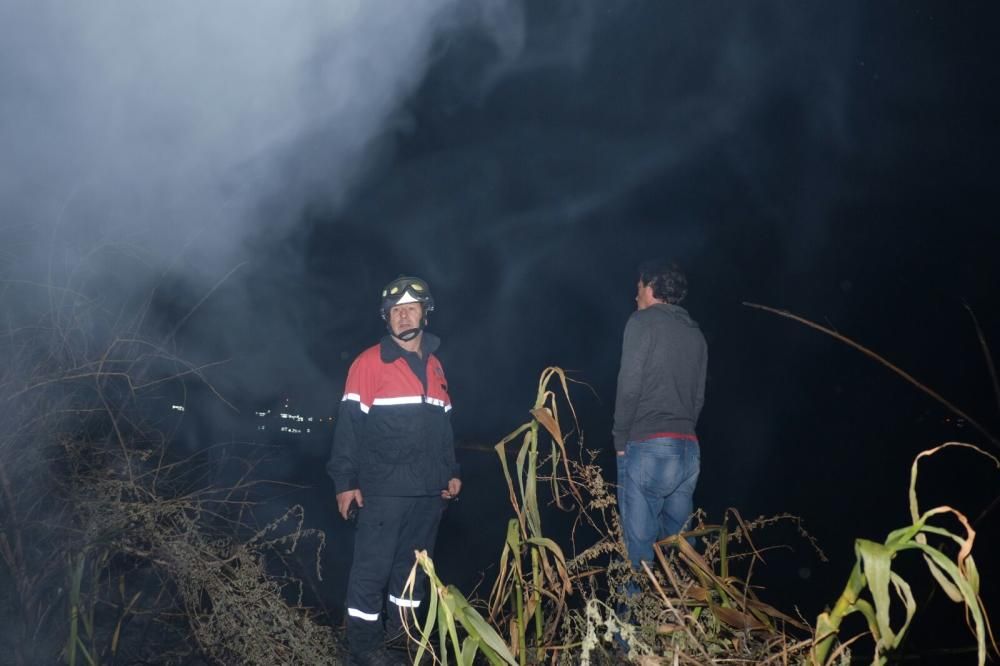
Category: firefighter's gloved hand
[344,500]
[454,488]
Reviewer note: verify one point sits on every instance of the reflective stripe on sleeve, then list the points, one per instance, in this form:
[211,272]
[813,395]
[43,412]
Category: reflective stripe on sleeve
[405,603]
[439,403]
[356,398]
[370,617]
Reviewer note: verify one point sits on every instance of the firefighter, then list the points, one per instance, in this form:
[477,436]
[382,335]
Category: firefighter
[393,467]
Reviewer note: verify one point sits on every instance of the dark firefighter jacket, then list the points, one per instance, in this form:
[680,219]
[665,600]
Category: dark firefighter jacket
[393,434]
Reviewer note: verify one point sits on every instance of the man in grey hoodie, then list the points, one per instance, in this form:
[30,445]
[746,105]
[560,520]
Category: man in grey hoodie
[661,390]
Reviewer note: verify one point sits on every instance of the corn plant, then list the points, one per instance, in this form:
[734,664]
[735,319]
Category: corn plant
[447,610]
[695,608]
[533,567]
[958,577]
[730,600]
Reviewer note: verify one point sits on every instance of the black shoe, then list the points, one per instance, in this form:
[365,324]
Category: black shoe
[399,641]
[379,657]
[403,645]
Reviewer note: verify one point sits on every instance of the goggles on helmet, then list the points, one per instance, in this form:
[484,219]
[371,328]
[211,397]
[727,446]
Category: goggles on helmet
[406,290]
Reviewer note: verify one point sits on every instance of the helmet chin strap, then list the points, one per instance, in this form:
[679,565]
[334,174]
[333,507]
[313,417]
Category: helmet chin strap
[408,334]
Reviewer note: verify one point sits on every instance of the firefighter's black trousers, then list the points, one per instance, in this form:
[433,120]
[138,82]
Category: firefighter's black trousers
[389,530]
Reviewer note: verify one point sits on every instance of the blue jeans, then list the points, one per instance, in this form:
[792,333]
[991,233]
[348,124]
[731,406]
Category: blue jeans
[656,482]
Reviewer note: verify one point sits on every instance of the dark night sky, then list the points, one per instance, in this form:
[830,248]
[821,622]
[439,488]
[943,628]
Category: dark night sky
[835,159]
[847,172]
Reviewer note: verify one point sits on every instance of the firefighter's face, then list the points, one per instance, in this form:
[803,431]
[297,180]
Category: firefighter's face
[405,317]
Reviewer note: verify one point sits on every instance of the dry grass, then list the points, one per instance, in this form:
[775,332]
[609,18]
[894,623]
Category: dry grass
[690,608]
[556,603]
[116,548]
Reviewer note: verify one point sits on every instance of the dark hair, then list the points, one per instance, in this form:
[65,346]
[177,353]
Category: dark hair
[666,278]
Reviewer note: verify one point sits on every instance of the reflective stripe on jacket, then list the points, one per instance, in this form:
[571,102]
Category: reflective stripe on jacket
[393,434]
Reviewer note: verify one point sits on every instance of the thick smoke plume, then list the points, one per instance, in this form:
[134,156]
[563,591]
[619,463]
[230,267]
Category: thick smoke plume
[165,127]
[146,146]
[146,149]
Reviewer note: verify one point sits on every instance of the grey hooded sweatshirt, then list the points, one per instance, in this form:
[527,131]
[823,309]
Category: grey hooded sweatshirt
[661,384]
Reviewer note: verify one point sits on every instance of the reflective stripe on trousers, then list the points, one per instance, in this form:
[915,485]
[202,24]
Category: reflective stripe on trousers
[389,530]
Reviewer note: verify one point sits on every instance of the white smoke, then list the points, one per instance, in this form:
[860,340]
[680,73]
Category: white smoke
[164,125]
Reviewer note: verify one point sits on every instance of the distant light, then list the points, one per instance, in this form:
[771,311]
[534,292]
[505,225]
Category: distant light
[179,408]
